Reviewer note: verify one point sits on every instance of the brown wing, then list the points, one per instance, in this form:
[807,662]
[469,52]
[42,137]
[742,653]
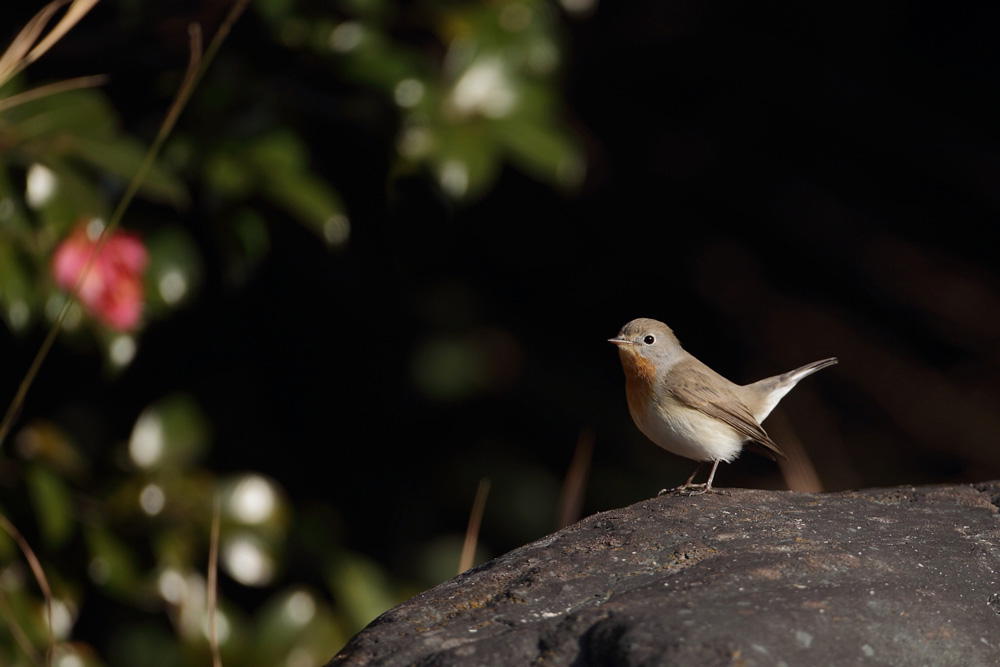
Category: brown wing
[706,391]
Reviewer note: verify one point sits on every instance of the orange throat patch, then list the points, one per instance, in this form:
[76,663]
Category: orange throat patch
[640,375]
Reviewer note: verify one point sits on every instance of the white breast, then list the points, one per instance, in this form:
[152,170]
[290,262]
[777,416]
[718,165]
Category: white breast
[689,433]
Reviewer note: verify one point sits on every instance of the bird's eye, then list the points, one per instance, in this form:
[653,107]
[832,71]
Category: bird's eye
[649,339]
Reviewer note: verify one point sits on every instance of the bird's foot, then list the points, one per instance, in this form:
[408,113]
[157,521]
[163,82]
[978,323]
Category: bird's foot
[690,490]
[683,490]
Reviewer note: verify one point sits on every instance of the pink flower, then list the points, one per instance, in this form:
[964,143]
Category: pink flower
[112,291]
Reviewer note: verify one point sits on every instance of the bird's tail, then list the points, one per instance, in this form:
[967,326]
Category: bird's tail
[792,377]
[774,388]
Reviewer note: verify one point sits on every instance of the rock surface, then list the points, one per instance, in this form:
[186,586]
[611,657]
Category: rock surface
[905,576]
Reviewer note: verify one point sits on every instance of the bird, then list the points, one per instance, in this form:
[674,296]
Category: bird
[688,409]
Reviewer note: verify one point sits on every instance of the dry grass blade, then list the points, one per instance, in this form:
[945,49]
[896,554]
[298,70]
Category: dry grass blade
[13,59]
[212,601]
[43,582]
[76,11]
[575,482]
[472,530]
[23,50]
[196,69]
[52,89]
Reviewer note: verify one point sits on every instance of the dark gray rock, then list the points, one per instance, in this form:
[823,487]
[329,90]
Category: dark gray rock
[907,576]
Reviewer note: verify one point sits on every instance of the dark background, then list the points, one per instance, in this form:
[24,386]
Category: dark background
[778,182]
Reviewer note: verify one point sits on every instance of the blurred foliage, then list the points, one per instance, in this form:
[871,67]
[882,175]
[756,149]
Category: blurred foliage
[477,89]
[64,160]
[474,86]
[134,526]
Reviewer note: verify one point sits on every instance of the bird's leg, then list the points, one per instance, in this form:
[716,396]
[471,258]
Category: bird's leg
[686,485]
[711,476]
[689,489]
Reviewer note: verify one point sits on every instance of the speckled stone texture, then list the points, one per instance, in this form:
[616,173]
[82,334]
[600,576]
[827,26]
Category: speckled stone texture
[905,576]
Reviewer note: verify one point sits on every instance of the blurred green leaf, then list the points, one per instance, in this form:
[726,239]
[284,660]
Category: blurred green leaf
[249,246]
[360,588]
[174,272]
[273,9]
[13,216]
[233,627]
[279,151]
[466,158]
[74,197]
[541,149]
[378,61]
[42,440]
[229,175]
[52,502]
[28,611]
[81,113]
[370,8]
[16,296]
[112,564]
[306,197]
[146,644]
[275,166]
[436,560]
[295,620]
[519,494]
[173,432]
[281,162]
[448,369]
[121,156]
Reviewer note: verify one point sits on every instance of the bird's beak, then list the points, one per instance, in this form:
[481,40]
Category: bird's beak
[619,341]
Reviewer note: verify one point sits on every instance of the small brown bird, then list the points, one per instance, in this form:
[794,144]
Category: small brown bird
[686,408]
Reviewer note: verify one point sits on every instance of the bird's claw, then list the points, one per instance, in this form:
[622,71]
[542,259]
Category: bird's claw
[690,490]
